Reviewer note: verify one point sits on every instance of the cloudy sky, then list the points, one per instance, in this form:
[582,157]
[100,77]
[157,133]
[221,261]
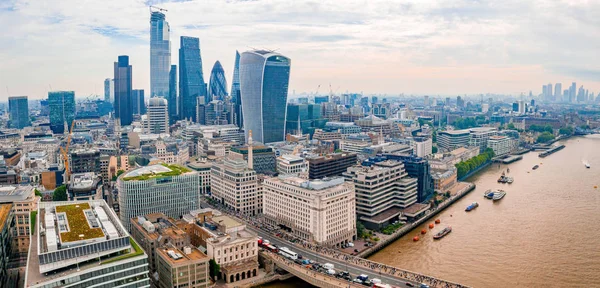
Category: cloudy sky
[377,47]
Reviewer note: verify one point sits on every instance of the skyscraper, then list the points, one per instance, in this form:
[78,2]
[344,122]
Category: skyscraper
[123,74]
[138,105]
[549,91]
[172,102]
[108,89]
[62,110]
[236,96]
[572,92]
[217,87]
[18,112]
[157,120]
[191,78]
[160,55]
[557,92]
[264,79]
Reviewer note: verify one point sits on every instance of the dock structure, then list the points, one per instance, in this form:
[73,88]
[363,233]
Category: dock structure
[551,151]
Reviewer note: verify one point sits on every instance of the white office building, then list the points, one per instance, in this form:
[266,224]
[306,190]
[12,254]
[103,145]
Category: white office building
[291,164]
[452,139]
[322,211]
[422,146]
[502,145]
[235,185]
[479,136]
[157,116]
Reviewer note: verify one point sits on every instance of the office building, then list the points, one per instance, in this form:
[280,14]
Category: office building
[479,136]
[321,99]
[501,144]
[157,117]
[264,79]
[452,139]
[263,158]
[381,110]
[172,100]
[229,132]
[62,110]
[138,105]
[235,185]
[191,77]
[383,190]
[422,146]
[419,168]
[291,164]
[572,93]
[84,245]
[18,112]
[558,92]
[217,87]
[322,211]
[85,160]
[7,226]
[182,268]
[343,128]
[236,94]
[168,189]
[203,170]
[355,143]
[109,90]
[168,151]
[24,201]
[160,55]
[123,91]
[443,180]
[85,186]
[329,165]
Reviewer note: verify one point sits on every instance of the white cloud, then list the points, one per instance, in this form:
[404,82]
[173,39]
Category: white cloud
[436,47]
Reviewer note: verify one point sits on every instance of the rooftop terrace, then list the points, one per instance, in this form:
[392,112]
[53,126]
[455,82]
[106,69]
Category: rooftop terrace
[79,227]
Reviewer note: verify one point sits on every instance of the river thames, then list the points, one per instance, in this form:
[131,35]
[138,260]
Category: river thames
[544,233]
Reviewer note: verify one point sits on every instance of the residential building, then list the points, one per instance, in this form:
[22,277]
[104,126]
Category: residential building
[235,184]
[422,146]
[7,226]
[83,244]
[138,104]
[383,190]
[172,100]
[169,189]
[322,211]
[264,79]
[452,139]
[85,160]
[18,112]
[191,77]
[264,161]
[160,54]
[502,144]
[217,87]
[24,201]
[157,117]
[330,165]
[85,186]
[62,110]
[479,136]
[291,164]
[123,90]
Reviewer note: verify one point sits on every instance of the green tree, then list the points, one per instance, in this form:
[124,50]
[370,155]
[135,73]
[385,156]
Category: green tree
[434,149]
[511,126]
[214,269]
[37,192]
[60,193]
[544,137]
[338,150]
[360,229]
[568,131]
[119,172]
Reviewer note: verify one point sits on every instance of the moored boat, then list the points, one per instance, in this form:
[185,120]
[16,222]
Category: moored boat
[472,206]
[498,195]
[442,233]
[535,167]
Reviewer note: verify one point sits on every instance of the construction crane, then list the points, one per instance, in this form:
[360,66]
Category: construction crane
[317,92]
[65,152]
[157,8]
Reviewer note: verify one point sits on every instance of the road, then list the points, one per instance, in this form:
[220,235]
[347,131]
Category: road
[339,265]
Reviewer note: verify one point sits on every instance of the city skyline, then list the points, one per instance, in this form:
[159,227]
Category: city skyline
[426,48]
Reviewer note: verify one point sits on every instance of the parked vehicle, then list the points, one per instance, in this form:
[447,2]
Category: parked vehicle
[328,266]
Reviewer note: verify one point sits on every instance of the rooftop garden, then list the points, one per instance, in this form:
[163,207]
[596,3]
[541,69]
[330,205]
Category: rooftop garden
[79,228]
[176,170]
[137,251]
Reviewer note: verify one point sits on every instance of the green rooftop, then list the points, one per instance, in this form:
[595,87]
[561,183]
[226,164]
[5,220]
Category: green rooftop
[155,171]
[79,228]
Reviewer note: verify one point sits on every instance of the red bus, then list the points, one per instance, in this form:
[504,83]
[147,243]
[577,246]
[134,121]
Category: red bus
[271,248]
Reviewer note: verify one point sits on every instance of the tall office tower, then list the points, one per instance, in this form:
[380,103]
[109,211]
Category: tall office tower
[138,105]
[264,79]
[160,55]
[426,100]
[581,94]
[236,96]
[217,87]
[460,102]
[572,92]
[107,88]
[157,118]
[172,101]
[557,92]
[62,110]
[191,79]
[549,91]
[544,91]
[123,74]
[18,112]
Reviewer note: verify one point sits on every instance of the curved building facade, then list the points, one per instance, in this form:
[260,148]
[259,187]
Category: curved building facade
[217,88]
[161,188]
[264,80]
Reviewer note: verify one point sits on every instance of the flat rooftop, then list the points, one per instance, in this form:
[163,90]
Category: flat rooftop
[226,221]
[154,171]
[15,193]
[176,256]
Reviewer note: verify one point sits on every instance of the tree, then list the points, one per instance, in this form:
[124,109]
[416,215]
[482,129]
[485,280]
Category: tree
[60,193]
[434,149]
[360,229]
[544,137]
[464,123]
[214,269]
[511,126]
[37,192]
[566,131]
[119,172]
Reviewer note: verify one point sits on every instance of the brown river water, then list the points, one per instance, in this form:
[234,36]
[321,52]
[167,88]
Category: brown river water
[544,233]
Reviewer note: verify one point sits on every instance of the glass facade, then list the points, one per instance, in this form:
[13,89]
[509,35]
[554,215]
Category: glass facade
[191,78]
[62,110]
[172,101]
[160,55]
[138,104]
[236,96]
[123,92]
[18,112]
[217,88]
[264,79]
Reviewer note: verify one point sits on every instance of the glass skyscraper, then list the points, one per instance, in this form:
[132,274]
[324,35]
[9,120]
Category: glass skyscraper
[217,88]
[172,101]
[62,110]
[18,112]
[138,105]
[160,55]
[236,96]
[123,89]
[264,79]
[191,78]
